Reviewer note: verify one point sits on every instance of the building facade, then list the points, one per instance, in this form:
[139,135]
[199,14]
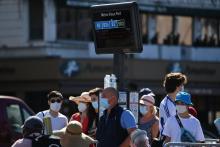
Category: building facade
[48,44]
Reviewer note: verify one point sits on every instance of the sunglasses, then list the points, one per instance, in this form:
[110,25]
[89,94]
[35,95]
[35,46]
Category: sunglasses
[57,100]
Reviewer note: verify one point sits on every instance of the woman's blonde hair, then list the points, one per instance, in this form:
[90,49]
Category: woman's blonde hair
[153,109]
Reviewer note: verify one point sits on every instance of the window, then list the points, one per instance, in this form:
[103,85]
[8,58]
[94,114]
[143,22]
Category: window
[183,32]
[209,32]
[144,26]
[164,29]
[15,117]
[36,19]
[26,114]
[73,23]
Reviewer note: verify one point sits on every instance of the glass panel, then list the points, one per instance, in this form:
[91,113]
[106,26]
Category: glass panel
[14,117]
[36,19]
[74,23]
[144,27]
[183,31]
[209,33]
[164,29]
[25,113]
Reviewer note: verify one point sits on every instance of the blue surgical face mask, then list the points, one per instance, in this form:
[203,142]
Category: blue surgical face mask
[143,110]
[104,103]
[95,104]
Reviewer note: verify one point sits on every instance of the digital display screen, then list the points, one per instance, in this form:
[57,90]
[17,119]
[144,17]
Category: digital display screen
[111,24]
[116,28]
[113,29]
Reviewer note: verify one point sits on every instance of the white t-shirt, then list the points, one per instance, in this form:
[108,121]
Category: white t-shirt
[167,109]
[191,124]
[58,122]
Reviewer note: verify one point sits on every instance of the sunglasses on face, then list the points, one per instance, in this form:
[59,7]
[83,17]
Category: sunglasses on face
[57,100]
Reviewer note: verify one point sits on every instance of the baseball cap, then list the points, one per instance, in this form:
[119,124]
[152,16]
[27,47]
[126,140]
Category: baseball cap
[146,91]
[147,100]
[184,97]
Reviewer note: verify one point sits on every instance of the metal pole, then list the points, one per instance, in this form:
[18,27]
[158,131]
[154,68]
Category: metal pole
[118,69]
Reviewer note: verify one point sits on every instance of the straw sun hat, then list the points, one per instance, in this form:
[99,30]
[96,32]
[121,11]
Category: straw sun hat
[84,97]
[72,136]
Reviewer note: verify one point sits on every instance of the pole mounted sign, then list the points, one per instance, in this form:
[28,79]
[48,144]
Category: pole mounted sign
[116,28]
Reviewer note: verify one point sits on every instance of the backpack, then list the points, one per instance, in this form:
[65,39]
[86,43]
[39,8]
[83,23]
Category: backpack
[46,141]
[186,136]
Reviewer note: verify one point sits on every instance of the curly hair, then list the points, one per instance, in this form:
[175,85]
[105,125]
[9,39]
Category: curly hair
[173,80]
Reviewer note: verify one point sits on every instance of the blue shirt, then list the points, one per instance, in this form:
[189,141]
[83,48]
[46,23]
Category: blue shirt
[128,120]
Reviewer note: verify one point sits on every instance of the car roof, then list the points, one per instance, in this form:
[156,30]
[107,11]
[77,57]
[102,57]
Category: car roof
[5,97]
[16,99]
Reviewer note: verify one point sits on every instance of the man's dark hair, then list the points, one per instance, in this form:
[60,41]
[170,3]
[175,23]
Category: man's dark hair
[113,91]
[53,94]
[173,80]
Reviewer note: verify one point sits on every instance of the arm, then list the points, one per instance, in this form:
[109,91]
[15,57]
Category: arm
[127,122]
[167,139]
[155,130]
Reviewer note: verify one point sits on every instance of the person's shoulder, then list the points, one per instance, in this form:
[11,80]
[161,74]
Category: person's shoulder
[163,101]
[194,119]
[127,113]
[62,115]
[41,114]
[22,142]
[76,115]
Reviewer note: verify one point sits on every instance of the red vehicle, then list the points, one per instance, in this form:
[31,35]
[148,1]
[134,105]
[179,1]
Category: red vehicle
[13,112]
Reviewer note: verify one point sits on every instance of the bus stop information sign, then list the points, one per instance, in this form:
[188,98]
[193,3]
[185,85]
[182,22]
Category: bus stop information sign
[116,28]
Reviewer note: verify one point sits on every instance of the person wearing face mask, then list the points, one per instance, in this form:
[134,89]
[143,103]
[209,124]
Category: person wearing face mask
[116,124]
[172,128]
[173,83]
[86,115]
[58,120]
[148,120]
[94,94]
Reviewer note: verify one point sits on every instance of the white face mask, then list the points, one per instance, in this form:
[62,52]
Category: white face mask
[82,107]
[143,110]
[95,104]
[181,108]
[55,106]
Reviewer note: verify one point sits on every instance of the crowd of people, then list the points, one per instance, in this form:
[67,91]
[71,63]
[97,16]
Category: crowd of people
[102,122]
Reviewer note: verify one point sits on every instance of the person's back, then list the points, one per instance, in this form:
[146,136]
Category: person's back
[23,142]
[32,128]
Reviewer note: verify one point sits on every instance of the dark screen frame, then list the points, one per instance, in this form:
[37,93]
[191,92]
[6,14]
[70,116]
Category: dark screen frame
[130,41]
